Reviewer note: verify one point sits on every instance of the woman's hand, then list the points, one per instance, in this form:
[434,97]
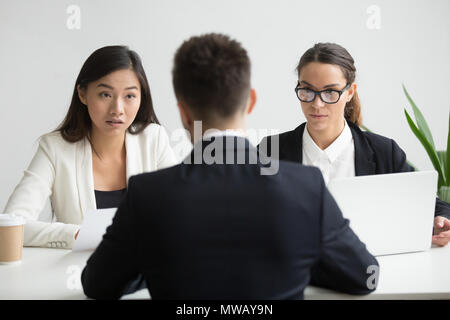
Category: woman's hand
[441,231]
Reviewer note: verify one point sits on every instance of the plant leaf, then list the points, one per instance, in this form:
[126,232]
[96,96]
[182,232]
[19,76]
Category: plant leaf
[411,165]
[365,128]
[429,149]
[442,156]
[447,169]
[421,123]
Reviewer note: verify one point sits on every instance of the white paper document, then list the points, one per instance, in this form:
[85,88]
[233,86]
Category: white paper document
[93,228]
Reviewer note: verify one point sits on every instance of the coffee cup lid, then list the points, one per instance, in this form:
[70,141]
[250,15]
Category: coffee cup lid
[11,219]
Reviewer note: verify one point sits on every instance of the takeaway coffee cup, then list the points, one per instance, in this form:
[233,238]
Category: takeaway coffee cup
[11,238]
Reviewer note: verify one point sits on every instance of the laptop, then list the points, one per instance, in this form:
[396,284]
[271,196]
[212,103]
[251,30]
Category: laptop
[390,213]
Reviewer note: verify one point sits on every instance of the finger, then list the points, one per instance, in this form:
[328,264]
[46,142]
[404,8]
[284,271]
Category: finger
[446,223]
[440,241]
[438,225]
[444,234]
[439,222]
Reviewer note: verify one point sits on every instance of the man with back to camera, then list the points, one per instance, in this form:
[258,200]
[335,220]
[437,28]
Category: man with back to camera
[222,224]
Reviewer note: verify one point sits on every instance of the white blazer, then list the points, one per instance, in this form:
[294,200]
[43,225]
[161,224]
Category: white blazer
[63,171]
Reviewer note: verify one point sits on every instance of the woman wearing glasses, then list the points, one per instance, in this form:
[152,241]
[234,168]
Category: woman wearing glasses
[331,138]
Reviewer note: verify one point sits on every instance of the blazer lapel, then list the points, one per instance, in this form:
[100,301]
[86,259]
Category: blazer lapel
[134,164]
[291,145]
[364,155]
[291,148]
[85,177]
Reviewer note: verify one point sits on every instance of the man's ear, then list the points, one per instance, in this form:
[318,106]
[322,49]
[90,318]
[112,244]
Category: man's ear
[252,101]
[82,95]
[185,116]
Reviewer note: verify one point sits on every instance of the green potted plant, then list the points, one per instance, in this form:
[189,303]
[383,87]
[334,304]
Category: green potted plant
[440,159]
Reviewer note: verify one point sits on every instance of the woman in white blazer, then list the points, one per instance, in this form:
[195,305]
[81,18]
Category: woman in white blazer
[110,133]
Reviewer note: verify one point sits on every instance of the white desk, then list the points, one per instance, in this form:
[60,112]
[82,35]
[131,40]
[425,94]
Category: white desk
[55,274]
[420,275]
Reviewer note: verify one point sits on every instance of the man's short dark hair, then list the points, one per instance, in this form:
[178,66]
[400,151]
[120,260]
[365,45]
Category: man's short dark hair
[211,75]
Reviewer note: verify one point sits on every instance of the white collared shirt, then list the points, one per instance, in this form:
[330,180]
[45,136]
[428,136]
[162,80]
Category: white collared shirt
[336,161]
[228,132]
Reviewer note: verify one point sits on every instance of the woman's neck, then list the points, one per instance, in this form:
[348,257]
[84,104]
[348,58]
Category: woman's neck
[106,146]
[324,138]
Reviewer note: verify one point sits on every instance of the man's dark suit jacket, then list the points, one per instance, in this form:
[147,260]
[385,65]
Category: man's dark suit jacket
[374,154]
[224,231]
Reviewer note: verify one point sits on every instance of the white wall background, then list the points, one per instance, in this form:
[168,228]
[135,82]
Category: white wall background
[40,58]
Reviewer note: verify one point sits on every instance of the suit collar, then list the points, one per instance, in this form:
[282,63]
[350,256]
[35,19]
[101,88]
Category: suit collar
[333,151]
[228,142]
[221,147]
[218,133]
[134,163]
[291,148]
[364,154]
[85,177]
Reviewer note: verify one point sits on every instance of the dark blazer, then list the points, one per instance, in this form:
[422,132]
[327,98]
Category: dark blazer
[224,231]
[374,154]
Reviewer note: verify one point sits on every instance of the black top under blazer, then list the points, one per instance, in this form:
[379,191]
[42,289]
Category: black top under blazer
[224,231]
[374,154]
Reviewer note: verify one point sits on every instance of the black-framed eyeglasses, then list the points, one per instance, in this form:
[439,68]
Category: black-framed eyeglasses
[328,96]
